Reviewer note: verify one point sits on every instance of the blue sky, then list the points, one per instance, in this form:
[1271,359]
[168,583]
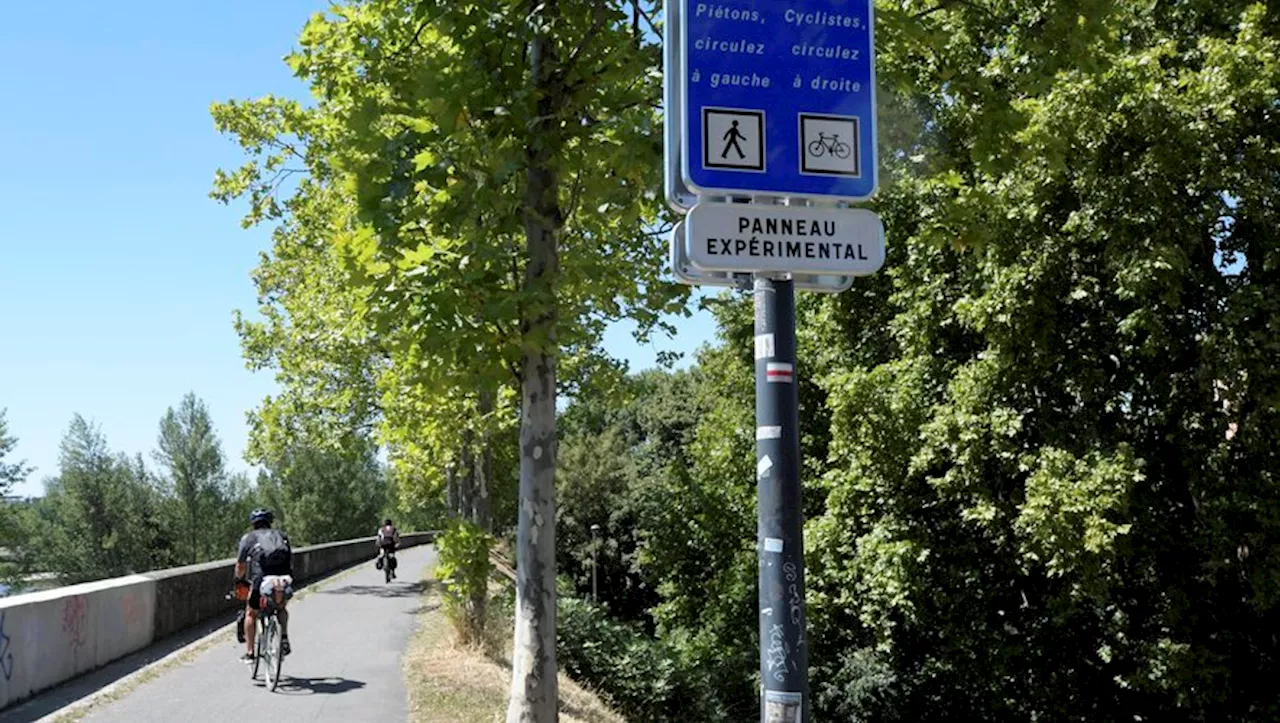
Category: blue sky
[118,275]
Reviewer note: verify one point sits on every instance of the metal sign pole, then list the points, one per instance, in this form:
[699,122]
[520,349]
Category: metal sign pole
[769,100]
[784,654]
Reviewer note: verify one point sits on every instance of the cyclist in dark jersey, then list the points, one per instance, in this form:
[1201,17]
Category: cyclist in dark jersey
[387,541]
[263,551]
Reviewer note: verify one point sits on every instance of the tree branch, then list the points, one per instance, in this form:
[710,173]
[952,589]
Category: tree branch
[648,19]
[277,180]
[417,35]
[574,197]
[945,4]
[596,26]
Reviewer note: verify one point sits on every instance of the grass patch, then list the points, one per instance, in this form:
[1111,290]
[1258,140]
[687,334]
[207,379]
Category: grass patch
[453,683]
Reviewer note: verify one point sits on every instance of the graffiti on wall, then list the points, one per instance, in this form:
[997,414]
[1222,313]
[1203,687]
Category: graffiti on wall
[132,611]
[73,614]
[6,656]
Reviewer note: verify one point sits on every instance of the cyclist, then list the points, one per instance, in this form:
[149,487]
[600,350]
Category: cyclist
[263,551]
[388,539]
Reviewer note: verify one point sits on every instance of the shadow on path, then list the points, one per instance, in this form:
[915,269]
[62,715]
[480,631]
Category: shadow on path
[395,589]
[314,686]
[428,608]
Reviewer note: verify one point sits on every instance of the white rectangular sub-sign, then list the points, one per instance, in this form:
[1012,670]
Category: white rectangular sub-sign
[741,237]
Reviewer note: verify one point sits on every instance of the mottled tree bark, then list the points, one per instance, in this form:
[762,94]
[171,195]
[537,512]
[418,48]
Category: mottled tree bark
[533,666]
[466,477]
[451,490]
[482,507]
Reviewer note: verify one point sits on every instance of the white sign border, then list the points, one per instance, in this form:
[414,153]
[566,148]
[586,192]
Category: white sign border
[682,122]
[679,198]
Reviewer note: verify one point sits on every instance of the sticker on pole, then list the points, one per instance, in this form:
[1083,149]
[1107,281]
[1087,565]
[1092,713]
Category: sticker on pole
[779,372]
[781,706]
[763,466]
[764,346]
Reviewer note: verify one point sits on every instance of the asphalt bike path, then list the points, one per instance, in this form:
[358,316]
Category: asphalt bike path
[348,635]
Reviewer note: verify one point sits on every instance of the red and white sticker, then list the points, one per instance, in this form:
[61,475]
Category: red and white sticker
[779,372]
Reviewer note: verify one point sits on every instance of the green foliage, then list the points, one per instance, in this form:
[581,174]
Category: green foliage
[617,449]
[426,513]
[11,473]
[665,466]
[594,486]
[102,516]
[394,293]
[189,450]
[1039,501]
[106,515]
[321,495]
[641,678]
[463,553]
[859,686]
[1037,480]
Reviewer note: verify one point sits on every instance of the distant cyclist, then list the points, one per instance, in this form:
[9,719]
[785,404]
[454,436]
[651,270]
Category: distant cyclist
[263,551]
[388,540]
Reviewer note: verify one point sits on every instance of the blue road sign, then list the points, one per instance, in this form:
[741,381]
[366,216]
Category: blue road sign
[778,97]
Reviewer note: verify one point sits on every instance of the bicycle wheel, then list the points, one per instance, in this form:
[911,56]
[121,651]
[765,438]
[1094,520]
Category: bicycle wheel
[817,148]
[276,647]
[258,648]
[841,150]
[386,568]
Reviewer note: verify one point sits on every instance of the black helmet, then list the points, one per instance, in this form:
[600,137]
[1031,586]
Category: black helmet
[388,522]
[261,515]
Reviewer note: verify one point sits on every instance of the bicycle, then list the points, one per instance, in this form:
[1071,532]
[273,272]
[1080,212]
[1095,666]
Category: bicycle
[270,637]
[388,564]
[270,644]
[829,144]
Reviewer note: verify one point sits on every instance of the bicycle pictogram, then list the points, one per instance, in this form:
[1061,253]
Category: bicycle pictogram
[829,144]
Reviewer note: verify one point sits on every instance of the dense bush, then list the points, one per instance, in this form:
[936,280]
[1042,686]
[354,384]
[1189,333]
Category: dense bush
[643,678]
[464,567]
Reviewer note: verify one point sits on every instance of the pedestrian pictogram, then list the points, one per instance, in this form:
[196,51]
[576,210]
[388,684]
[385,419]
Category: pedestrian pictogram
[733,135]
[829,145]
[734,139]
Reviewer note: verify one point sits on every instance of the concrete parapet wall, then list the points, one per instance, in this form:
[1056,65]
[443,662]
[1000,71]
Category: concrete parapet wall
[49,637]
